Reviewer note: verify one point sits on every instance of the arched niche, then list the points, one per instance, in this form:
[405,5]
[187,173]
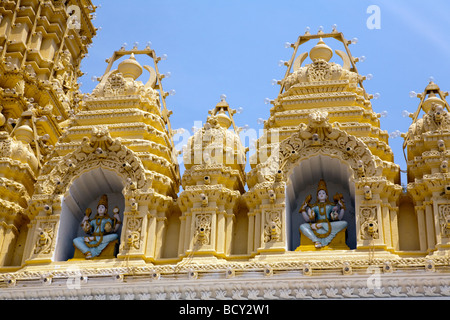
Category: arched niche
[85,192]
[303,180]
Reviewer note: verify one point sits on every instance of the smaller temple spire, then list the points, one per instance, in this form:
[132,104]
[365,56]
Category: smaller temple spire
[431,96]
[220,111]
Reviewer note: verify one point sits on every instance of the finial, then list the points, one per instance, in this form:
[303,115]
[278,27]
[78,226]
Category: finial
[321,51]
[130,68]
[430,101]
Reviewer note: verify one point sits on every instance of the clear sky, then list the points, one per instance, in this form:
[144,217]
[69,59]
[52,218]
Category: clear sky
[232,47]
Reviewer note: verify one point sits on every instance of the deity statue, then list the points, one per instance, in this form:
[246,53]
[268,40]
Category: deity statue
[101,230]
[324,218]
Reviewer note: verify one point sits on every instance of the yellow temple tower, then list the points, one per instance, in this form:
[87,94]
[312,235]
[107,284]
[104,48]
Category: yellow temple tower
[90,198]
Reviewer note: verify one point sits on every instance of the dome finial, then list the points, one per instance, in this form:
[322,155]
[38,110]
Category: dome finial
[321,51]
[130,68]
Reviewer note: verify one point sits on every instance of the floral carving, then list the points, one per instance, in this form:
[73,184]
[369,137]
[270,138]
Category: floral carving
[45,238]
[202,228]
[115,85]
[320,70]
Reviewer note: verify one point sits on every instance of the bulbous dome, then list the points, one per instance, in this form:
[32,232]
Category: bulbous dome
[222,118]
[321,51]
[430,101]
[130,68]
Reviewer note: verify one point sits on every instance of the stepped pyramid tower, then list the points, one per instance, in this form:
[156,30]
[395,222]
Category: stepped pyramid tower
[93,204]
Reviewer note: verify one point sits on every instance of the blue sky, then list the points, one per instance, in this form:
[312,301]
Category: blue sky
[233,47]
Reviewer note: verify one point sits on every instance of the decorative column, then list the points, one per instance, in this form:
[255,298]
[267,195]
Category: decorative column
[137,223]
[267,218]
[429,218]
[369,217]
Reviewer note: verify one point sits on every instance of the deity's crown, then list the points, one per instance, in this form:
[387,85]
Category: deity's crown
[103,201]
[322,186]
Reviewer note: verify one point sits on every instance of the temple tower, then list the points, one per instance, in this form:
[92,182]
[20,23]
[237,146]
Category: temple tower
[42,44]
[212,186]
[427,143]
[117,142]
[322,126]
[326,86]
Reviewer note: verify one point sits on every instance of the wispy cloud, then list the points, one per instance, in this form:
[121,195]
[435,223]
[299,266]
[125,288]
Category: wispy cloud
[423,24]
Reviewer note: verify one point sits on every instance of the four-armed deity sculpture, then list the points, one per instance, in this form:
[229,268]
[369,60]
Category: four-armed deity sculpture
[324,218]
[101,230]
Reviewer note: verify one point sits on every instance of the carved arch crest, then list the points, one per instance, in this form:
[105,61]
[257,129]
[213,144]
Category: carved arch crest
[321,137]
[98,151]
